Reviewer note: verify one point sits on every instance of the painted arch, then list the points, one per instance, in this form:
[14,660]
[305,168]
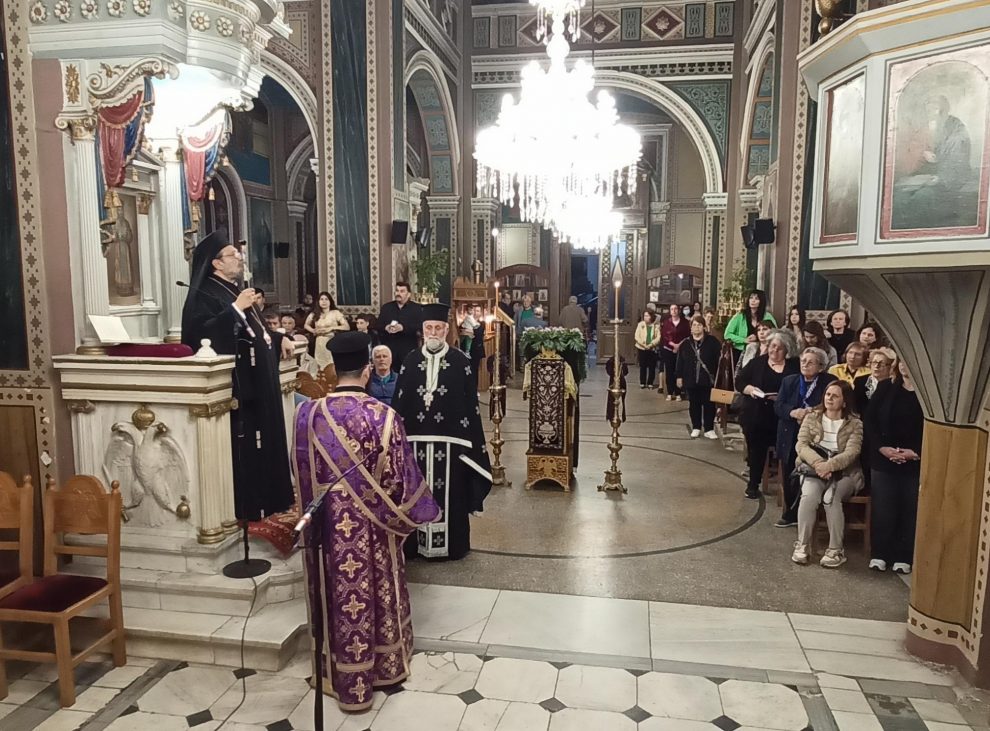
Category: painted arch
[424,77]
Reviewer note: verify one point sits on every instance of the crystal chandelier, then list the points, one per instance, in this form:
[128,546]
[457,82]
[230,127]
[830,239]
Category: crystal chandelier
[588,224]
[556,149]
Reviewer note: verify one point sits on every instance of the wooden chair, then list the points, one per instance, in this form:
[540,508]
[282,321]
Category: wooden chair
[857,510]
[80,506]
[17,513]
[316,388]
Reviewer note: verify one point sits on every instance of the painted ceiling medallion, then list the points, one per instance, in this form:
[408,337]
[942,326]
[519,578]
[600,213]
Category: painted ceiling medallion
[199,21]
[39,13]
[141,7]
[600,27]
[663,23]
[62,10]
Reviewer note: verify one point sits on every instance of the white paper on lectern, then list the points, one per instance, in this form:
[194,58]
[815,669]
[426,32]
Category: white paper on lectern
[110,329]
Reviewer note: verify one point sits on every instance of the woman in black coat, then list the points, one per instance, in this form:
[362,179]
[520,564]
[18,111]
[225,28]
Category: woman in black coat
[697,362]
[895,426]
[760,382]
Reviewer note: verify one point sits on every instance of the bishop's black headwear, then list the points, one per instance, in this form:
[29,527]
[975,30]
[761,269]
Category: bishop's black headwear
[351,351]
[202,267]
[436,311]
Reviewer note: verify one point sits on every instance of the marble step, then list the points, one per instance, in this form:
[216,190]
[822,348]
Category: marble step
[274,634]
[213,594]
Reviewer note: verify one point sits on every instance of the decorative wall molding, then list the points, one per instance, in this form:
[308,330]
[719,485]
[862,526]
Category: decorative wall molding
[423,76]
[24,148]
[674,63]
[422,25]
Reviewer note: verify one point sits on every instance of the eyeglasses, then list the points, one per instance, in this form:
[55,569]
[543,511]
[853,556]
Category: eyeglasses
[235,254]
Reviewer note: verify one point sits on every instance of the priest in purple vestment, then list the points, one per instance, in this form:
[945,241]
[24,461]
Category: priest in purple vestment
[358,591]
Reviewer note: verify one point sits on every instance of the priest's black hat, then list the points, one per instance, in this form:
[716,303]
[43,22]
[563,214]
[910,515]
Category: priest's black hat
[436,311]
[351,351]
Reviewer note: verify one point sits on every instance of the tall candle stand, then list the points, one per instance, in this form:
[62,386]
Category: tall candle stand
[495,393]
[613,475]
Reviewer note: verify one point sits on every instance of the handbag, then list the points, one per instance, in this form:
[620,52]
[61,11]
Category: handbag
[722,396]
[806,470]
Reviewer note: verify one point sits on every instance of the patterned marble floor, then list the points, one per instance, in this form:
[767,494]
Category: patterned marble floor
[452,691]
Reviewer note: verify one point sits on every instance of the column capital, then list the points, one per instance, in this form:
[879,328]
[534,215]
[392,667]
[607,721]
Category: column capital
[296,209]
[749,199]
[443,203]
[715,201]
[81,126]
[485,206]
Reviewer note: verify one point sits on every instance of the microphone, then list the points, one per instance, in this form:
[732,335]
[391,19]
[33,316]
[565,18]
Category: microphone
[307,517]
[180,283]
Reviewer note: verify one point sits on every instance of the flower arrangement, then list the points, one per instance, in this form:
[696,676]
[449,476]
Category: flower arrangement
[568,342]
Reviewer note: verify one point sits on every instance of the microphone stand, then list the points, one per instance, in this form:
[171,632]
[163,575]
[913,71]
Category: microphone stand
[308,524]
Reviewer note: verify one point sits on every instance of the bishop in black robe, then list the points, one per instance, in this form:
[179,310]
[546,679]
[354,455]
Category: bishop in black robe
[437,398]
[259,445]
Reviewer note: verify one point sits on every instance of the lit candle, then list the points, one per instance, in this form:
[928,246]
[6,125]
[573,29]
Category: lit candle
[618,285]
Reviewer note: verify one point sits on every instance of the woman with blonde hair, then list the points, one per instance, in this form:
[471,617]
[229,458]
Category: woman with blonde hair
[828,448]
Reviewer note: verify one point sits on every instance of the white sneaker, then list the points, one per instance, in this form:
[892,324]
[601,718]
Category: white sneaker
[902,568]
[670,398]
[878,564]
[710,434]
[800,554]
[833,558]
[695,433]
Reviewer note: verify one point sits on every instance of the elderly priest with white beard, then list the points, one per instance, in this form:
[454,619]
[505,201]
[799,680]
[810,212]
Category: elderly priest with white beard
[437,400]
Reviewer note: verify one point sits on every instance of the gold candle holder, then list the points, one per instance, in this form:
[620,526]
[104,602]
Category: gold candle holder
[613,475]
[495,391]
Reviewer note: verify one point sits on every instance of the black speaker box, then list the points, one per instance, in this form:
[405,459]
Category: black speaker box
[763,231]
[748,237]
[400,232]
[281,249]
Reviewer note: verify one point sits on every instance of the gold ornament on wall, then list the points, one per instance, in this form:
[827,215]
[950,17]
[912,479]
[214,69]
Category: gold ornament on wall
[831,12]
[72,84]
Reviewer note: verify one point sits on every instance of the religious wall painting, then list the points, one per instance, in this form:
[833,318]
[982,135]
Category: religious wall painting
[844,118]
[937,146]
[123,267]
[261,247]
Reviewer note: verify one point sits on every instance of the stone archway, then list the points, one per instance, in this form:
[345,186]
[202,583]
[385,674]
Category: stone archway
[682,112]
[424,77]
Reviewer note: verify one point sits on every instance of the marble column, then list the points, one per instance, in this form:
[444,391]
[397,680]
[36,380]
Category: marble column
[936,310]
[716,268]
[444,211]
[484,217]
[175,266]
[80,157]
[356,123]
[215,520]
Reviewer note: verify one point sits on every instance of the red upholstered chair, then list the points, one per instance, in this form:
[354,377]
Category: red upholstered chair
[80,506]
[17,513]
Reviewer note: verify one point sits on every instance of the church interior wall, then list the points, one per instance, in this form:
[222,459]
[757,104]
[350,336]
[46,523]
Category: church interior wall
[685,233]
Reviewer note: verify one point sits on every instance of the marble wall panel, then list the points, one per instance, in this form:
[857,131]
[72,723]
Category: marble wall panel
[350,144]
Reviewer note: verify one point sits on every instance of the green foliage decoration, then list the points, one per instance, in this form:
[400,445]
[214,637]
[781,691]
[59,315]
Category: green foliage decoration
[429,267]
[568,342]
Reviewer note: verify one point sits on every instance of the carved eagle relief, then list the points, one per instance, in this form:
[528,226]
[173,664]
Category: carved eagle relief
[151,469]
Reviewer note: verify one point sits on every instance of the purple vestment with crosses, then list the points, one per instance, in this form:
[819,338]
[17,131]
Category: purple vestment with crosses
[358,592]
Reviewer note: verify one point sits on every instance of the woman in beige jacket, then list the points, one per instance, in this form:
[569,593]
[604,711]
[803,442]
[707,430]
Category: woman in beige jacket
[833,428]
[647,340]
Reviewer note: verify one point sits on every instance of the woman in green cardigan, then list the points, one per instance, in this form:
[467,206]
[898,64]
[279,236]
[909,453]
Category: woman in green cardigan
[741,329]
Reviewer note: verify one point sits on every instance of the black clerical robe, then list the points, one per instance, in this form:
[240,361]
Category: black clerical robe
[445,429]
[410,316]
[262,482]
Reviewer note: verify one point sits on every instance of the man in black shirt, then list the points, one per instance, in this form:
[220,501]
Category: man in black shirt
[400,324]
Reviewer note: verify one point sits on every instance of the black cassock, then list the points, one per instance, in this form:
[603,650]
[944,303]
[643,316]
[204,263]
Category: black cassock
[449,441]
[262,480]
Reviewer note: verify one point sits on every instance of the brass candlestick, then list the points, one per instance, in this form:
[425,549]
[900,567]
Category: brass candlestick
[495,391]
[613,475]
